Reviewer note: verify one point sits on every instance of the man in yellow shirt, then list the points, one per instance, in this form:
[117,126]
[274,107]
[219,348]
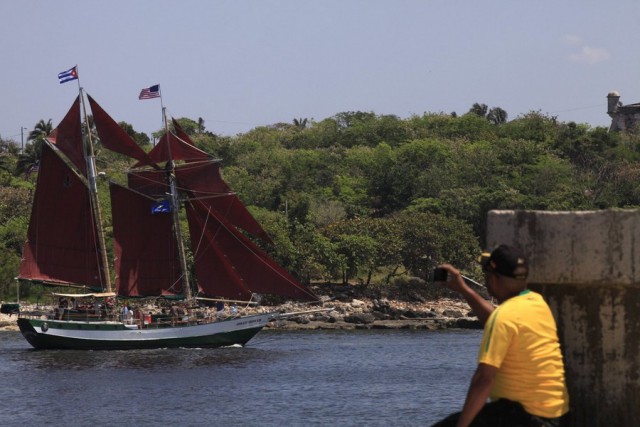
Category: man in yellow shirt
[520,364]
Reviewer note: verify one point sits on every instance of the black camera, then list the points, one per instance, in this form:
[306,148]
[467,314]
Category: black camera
[440,275]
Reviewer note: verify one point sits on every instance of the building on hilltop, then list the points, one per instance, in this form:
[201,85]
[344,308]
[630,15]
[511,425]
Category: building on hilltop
[624,118]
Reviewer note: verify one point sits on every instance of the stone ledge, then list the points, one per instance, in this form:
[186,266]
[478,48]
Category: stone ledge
[575,248]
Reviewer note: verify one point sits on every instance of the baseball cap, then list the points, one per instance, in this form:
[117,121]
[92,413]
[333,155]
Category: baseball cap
[507,261]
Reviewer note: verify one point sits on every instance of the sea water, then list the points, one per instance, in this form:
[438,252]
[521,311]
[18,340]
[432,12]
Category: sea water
[281,378]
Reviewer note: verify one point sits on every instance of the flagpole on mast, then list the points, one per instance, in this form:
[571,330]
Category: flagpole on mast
[175,208]
[93,189]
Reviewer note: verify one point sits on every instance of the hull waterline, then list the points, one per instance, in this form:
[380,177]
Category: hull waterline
[54,334]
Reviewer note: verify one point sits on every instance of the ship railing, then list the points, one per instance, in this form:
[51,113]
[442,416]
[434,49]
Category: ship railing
[66,315]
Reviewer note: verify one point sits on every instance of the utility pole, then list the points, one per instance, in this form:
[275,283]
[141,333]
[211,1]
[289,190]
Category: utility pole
[22,139]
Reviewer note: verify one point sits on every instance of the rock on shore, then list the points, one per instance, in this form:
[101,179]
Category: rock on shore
[381,314]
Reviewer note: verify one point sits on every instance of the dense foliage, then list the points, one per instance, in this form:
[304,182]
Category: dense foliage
[361,197]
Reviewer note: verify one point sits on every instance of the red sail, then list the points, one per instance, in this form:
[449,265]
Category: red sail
[68,137]
[145,250]
[150,182]
[114,138]
[179,150]
[203,181]
[181,133]
[229,265]
[61,244]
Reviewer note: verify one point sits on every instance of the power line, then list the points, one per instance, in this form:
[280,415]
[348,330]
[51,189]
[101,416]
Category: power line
[601,105]
[10,136]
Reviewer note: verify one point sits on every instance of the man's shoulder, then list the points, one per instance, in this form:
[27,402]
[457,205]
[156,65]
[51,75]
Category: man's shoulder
[520,303]
[525,297]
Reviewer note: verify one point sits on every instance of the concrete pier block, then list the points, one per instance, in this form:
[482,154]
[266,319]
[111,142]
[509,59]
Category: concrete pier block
[587,266]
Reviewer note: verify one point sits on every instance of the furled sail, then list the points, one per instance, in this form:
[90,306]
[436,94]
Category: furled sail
[145,250]
[229,265]
[61,244]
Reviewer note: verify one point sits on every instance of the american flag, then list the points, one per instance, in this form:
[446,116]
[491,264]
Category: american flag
[150,92]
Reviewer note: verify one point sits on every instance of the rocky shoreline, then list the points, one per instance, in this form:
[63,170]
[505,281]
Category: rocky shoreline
[382,314]
[364,313]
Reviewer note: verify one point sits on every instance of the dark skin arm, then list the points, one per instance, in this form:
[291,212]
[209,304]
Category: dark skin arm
[480,306]
[478,393]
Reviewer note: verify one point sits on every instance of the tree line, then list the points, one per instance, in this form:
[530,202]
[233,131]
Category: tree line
[375,199]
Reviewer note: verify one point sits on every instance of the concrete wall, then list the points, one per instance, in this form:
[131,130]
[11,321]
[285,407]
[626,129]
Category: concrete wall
[587,265]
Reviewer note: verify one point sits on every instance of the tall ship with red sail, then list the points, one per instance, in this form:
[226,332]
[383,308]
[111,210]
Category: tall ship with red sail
[173,183]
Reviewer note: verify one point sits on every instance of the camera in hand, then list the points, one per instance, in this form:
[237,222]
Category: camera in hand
[440,275]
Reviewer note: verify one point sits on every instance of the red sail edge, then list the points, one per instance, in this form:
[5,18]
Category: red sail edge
[114,138]
[204,182]
[61,244]
[229,265]
[145,250]
[181,133]
[171,147]
[68,137]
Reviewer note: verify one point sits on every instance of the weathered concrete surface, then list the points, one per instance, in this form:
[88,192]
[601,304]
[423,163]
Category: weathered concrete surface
[587,264]
[578,248]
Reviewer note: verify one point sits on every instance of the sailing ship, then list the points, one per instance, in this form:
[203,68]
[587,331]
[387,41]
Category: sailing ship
[65,244]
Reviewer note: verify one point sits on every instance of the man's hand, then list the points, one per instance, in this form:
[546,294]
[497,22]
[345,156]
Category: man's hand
[455,282]
[480,306]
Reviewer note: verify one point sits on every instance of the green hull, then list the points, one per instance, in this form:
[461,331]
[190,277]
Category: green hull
[51,334]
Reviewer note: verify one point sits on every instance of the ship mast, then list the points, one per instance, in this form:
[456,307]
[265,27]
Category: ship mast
[93,194]
[175,210]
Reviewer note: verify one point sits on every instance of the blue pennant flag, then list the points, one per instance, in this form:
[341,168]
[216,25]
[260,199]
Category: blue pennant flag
[162,206]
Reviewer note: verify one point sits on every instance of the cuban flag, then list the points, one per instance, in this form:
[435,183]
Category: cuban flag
[162,206]
[70,74]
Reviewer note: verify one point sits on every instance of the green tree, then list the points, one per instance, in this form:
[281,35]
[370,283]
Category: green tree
[140,138]
[9,264]
[430,239]
[300,123]
[533,126]
[190,126]
[368,246]
[39,133]
[479,109]
[470,127]
[423,168]
[31,155]
[497,116]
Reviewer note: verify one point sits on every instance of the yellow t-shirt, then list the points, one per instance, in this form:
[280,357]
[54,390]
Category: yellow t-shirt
[520,339]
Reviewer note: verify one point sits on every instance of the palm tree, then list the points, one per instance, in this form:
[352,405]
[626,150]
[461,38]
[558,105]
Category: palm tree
[497,116]
[31,156]
[300,123]
[27,160]
[479,109]
[5,162]
[39,133]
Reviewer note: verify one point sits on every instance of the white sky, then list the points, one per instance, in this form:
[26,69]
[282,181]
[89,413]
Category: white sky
[239,64]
